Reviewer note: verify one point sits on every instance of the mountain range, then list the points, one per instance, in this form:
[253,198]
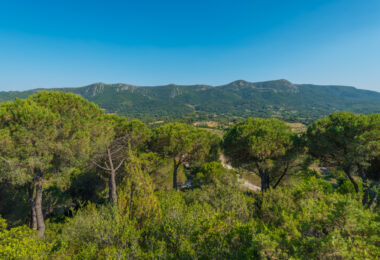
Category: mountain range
[277,98]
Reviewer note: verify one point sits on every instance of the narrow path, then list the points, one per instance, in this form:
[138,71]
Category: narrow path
[243,182]
[250,186]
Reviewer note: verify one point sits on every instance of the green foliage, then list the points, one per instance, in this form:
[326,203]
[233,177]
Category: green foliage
[13,205]
[311,221]
[86,186]
[238,99]
[161,170]
[307,221]
[188,230]
[257,140]
[258,144]
[43,138]
[82,126]
[349,141]
[218,187]
[50,130]
[183,142]
[213,173]
[136,132]
[100,232]
[28,134]
[22,243]
[48,140]
[344,186]
[136,197]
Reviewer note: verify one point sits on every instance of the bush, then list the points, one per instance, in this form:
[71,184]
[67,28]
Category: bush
[22,243]
[102,231]
[191,228]
[311,221]
[218,187]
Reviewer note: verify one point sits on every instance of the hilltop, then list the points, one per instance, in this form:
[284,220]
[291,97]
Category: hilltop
[277,98]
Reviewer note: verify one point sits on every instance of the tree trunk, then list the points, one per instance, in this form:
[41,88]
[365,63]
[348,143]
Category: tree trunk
[38,207]
[33,214]
[368,199]
[348,174]
[175,173]
[282,176]
[112,188]
[112,181]
[366,194]
[264,180]
[371,203]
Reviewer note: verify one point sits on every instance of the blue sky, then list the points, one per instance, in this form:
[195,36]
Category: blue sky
[75,43]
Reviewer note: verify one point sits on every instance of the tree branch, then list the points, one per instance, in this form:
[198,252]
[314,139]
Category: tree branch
[110,159]
[98,165]
[117,168]
[282,176]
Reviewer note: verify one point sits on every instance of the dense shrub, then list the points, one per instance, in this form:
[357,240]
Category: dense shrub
[22,243]
[311,221]
[100,231]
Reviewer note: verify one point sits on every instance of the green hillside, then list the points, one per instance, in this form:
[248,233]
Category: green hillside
[279,98]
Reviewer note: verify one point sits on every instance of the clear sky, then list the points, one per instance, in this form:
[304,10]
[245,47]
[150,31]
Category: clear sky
[64,43]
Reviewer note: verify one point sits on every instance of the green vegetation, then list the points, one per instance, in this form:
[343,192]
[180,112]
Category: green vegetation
[350,142]
[78,183]
[228,103]
[184,144]
[267,147]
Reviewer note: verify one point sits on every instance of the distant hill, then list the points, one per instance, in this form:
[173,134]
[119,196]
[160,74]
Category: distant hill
[278,98]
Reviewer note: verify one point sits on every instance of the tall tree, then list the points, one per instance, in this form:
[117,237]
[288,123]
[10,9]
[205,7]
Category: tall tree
[257,144]
[183,144]
[346,140]
[83,127]
[27,139]
[110,158]
[137,200]
[47,135]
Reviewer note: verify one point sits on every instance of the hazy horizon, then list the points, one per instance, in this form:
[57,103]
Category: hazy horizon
[173,83]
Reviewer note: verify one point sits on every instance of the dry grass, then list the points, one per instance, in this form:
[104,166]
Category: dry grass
[208,123]
[297,127]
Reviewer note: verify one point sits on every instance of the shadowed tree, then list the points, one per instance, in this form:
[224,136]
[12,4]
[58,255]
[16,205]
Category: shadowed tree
[259,145]
[184,144]
[372,174]
[46,136]
[294,160]
[125,135]
[346,140]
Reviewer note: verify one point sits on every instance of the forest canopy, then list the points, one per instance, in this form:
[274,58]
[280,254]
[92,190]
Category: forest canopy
[76,182]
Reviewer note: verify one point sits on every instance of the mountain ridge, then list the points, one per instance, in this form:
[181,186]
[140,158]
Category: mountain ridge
[276,98]
[233,83]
